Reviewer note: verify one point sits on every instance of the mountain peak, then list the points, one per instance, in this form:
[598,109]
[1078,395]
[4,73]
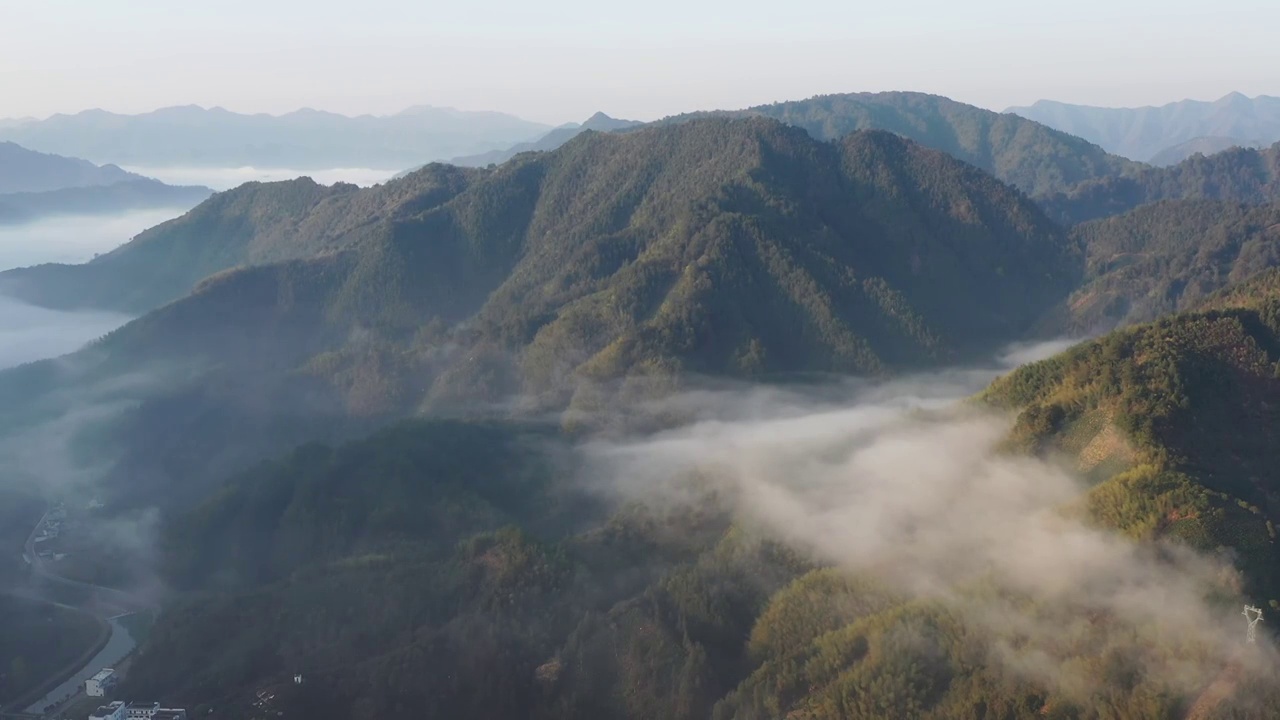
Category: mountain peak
[604,123]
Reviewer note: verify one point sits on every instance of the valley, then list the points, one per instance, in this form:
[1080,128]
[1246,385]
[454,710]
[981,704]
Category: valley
[868,405]
[91,624]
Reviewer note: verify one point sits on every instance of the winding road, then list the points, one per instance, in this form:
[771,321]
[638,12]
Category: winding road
[104,603]
[114,602]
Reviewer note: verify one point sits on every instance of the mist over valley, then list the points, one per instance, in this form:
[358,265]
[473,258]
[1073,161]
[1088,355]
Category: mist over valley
[75,239]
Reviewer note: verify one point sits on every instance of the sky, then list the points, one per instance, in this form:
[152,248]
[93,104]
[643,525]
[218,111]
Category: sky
[561,60]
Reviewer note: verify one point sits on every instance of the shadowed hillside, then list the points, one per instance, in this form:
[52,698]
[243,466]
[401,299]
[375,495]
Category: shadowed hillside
[1240,175]
[1166,257]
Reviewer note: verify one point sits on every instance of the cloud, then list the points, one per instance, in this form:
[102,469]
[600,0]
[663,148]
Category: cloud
[901,482]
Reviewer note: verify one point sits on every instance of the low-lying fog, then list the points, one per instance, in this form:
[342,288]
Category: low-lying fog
[74,238]
[902,482]
[29,333]
[227,178]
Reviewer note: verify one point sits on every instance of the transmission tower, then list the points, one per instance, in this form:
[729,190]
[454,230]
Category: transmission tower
[1254,616]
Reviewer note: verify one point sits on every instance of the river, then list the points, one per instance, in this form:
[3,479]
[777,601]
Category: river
[117,648]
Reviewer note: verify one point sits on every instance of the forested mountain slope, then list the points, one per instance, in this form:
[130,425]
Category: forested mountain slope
[719,246]
[452,569]
[253,224]
[1034,158]
[1166,257]
[1241,175]
[1176,421]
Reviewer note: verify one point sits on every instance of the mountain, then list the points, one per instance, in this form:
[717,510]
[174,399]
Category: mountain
[1200,146]
[1166,257]
[1175,421]
[1143,133]
[609,268]
[552,140]
[305,139]
[1240,175]
[486,590]
[255,223]
[18,208]
[27,171]
[446,569]
[1032,157]
[714,246]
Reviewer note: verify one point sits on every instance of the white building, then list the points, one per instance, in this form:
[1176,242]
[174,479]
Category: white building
[114,711]
[101,684]
[152,711]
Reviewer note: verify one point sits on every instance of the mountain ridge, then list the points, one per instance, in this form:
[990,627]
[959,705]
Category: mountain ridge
[27,171]
[1028,155]
[304,139]
[35,185]
[20,208]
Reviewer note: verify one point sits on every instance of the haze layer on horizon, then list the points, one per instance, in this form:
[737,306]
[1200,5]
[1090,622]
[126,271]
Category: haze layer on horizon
[562,60]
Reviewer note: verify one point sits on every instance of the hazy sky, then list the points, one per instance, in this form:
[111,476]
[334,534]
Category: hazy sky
[561,60]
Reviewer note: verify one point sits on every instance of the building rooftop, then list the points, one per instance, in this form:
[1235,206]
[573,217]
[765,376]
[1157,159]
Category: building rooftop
[103,674]
[105,711]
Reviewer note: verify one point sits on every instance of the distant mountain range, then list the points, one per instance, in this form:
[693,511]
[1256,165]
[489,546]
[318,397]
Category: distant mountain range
[306,139]
[1169,133]
[35,185]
